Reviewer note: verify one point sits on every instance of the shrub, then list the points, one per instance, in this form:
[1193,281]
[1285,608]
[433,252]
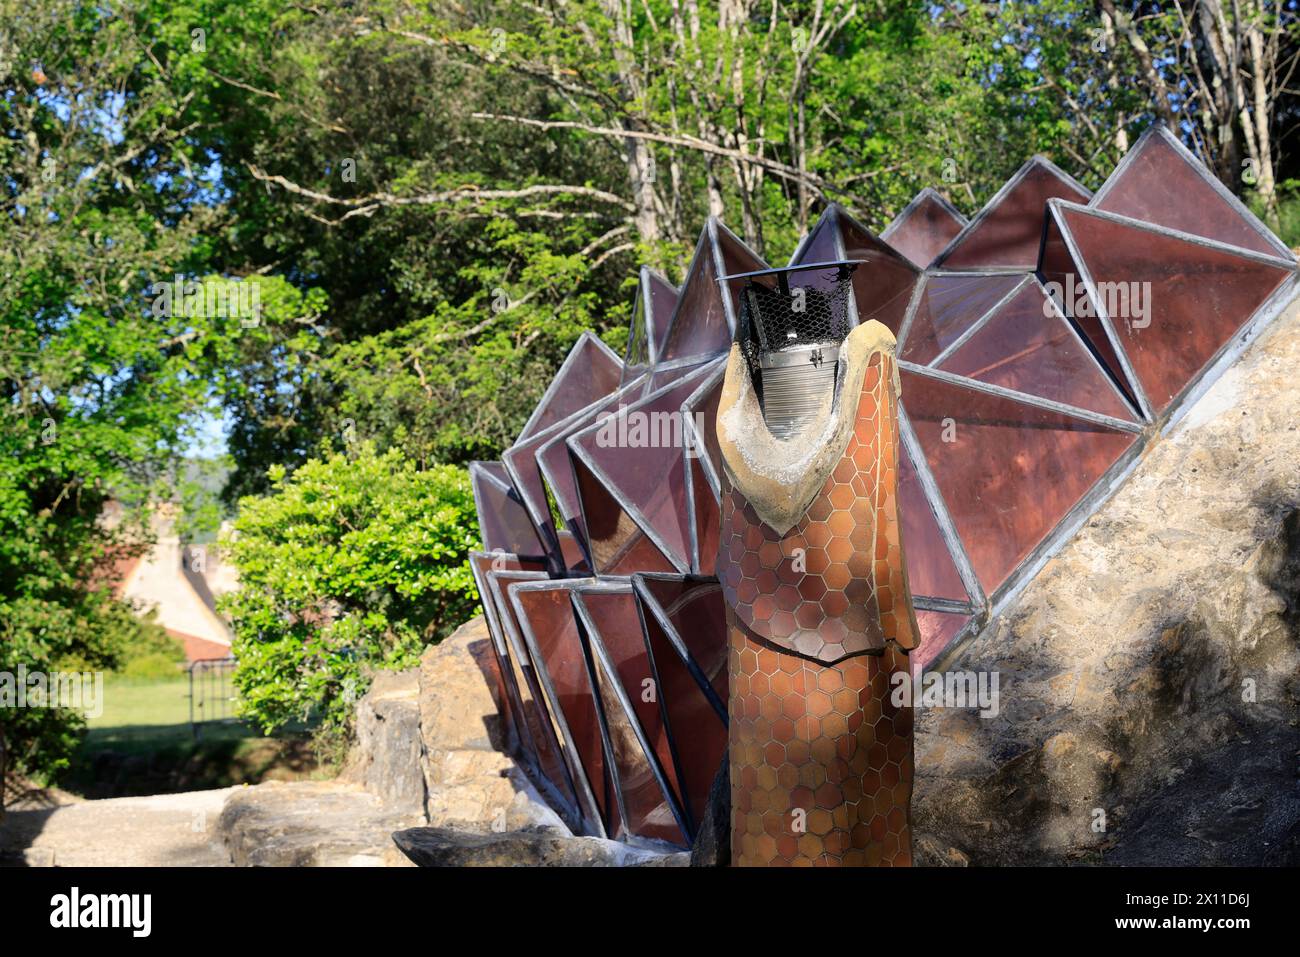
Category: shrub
[356,561]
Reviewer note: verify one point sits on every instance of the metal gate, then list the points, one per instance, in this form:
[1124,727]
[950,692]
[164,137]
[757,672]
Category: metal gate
[212,693]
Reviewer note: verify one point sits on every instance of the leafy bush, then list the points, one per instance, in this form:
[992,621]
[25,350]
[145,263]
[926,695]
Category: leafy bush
[356,561]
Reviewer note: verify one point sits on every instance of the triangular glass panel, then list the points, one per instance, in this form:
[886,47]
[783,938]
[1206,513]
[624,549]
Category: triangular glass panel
[704,321]
[511,701]
[1008,471]
[591,370]
[697,734]
[948,306]
[1160,182]
[617,544]
[701,411]
[883,284]
[691,606]
[521,464]
[938,629]
[502,519]
[930,568]
[1173,300]
[558,648]
[638,452]
[924,228]
[1007,231]
[553,463]
[652,312]
[637,736]
[822,244]
[1028,346]
[546,757]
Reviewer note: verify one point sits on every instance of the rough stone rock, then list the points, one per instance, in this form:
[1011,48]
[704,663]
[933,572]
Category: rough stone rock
[471,782]
[1148,675]
[712,846]
[310,824]
[528,847]
[386,759]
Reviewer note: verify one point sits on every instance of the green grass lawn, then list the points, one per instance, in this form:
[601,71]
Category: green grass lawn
[143,743]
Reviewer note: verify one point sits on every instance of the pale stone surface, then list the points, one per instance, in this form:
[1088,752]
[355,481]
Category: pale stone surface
[1127,666]
[310,824]
[165,830]
[386,757]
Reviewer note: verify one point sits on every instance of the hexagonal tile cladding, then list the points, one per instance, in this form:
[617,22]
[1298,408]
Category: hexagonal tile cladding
[821,760]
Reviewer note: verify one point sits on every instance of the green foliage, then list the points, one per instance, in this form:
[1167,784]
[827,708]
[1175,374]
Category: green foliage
[356,561]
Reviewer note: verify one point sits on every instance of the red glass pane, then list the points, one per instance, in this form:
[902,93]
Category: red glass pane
[1008,471]
[1160,183]
[1060,272]
[821,245]
[663,300]
[553,461]
[700,326]
[639,452]
[559,650]
[930,568]
[629,716]
[511,706]
[1173,302]
[617,544]
[693,607]
[707,518]
[882,286]
[1007,232]
[950,305]
[502,520]
[1029,347]
[546,756]
[697,733]
[590,371]
[938,629]
[925,228]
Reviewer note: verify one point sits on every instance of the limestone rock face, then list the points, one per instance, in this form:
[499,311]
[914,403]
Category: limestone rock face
[386,758]
[529,847]
[471,783]
[1150,674]
[309,824]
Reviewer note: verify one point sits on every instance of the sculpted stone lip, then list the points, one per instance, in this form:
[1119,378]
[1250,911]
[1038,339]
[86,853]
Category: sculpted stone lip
[996,415]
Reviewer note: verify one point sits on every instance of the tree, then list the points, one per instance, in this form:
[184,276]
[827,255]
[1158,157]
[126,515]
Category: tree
[357,560]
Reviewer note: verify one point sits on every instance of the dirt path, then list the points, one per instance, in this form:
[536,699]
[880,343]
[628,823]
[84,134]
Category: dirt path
[166,830]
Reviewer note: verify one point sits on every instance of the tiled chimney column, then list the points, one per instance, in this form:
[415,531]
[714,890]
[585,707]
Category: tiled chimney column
[819,618]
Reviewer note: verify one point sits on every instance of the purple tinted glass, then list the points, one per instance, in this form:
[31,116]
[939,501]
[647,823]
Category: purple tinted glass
[1007,232]
[503,522]
[1173,302]
[948,307]
[924,229]
[638,451]
[590,371]
[1029,347]
[1160,184]
[558,648]
[632,714]
[1008,471]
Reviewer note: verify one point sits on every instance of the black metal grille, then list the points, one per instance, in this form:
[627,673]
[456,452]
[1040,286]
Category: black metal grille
[777,313]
